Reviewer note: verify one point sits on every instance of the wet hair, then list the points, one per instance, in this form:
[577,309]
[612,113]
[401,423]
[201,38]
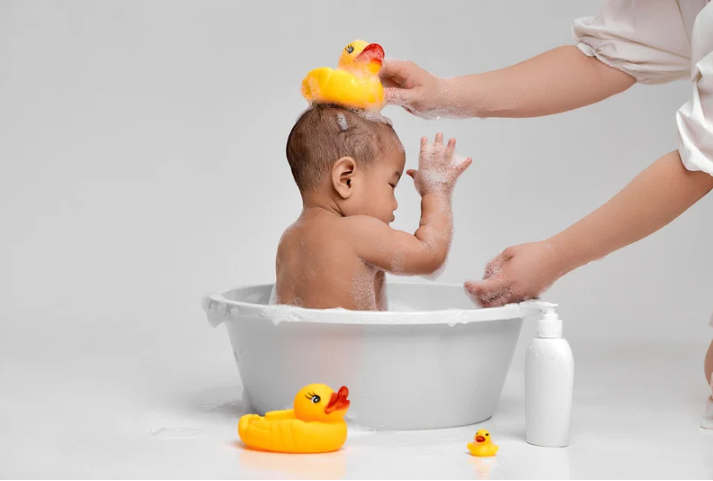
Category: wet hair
[325,133]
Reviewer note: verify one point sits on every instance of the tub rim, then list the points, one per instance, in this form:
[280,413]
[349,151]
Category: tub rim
[219,309]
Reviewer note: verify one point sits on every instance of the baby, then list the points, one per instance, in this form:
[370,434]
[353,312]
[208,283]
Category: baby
[347,167]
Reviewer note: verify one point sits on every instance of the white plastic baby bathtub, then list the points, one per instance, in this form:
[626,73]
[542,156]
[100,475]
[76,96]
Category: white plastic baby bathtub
[433,361]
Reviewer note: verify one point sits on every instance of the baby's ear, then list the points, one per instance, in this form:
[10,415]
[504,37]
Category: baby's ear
[343,172]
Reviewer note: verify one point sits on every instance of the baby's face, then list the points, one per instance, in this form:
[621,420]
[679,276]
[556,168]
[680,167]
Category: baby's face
[376,196]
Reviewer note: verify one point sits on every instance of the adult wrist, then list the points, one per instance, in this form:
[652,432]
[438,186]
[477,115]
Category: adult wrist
[563,255]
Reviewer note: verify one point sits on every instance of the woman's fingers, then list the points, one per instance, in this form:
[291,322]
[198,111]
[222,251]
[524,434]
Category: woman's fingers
[396,72]
[489,292]
[399,96]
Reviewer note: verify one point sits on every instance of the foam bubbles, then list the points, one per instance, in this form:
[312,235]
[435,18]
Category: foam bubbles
[458,316]
[280,313]
[434,171]
[342,121]
[398,262]
[274,299]
[458,159]
[374,116]
[444,106]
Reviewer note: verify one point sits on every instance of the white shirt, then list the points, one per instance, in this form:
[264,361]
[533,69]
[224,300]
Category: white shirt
[657,41]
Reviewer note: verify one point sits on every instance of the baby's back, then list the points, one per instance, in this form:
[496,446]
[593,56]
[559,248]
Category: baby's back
[318,267]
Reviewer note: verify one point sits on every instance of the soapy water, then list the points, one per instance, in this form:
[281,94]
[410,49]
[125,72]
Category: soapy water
[398,313]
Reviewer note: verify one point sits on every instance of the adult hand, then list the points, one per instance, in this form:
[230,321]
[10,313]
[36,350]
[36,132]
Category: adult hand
[519,273]
[416,90]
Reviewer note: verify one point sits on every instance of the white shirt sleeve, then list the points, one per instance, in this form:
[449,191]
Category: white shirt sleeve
[695,118]
[646,39]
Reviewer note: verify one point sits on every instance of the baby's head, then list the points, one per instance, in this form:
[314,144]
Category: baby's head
[341,156]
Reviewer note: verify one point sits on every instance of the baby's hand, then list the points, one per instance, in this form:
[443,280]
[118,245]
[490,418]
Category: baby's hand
[438,167]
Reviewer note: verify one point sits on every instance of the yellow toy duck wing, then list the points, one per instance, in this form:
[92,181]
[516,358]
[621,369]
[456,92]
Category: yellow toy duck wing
[315,425]
[291,435]
[315,81]
[280,415]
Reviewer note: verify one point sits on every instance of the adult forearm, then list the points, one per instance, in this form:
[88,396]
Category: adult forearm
[654,198]
[556,81]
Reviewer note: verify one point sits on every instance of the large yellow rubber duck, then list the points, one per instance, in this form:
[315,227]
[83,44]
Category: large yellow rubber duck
[354,83]
[483,447]
[315,425]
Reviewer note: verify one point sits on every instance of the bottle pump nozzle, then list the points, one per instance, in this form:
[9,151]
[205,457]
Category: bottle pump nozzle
[550,326]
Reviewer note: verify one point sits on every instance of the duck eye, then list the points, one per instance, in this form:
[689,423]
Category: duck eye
[350,49]
[316,399]
[487,434]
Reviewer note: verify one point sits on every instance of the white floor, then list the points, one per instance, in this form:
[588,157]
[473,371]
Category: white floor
[105,403]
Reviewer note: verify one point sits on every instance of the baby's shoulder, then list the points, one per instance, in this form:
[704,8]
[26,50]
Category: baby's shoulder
[360,222]
[330,232]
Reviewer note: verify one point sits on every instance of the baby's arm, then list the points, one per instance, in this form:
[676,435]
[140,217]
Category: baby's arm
[424,251]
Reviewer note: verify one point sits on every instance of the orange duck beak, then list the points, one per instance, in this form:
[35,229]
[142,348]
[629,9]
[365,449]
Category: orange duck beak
[338,401]
[480,439]
[372,53]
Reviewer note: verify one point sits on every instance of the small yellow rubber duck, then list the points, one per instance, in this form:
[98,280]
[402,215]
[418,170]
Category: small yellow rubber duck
[483,446]
[354,83]
[315,425]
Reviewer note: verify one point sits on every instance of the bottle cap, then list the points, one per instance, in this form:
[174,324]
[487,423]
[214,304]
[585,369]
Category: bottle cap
[550,325]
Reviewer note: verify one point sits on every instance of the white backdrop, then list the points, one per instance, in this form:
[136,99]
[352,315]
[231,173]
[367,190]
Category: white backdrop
[142,149]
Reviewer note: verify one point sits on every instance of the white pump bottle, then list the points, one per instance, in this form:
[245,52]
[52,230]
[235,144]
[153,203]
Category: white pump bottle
[549,383]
